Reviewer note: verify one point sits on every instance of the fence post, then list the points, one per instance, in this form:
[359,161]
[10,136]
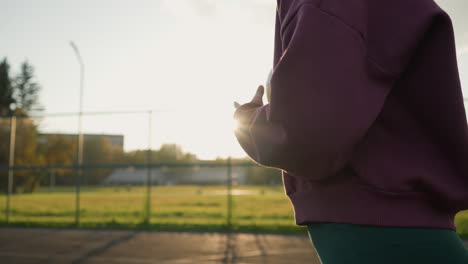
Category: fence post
[147,208]
[11,163]
[80,134]
[229,194]
[80,169]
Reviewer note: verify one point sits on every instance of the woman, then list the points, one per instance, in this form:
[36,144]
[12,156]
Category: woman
[367,123]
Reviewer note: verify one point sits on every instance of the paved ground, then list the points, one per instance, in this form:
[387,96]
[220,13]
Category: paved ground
[44,246]
[53,246]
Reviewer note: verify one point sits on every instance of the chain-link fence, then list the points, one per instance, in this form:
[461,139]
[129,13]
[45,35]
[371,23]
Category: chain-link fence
[44,182]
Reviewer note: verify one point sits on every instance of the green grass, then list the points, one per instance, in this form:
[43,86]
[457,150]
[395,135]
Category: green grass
[187,208]
[181,208]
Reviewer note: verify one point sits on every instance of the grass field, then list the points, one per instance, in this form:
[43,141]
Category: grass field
[263,209]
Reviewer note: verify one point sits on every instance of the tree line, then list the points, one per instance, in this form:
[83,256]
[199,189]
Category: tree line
[19,96]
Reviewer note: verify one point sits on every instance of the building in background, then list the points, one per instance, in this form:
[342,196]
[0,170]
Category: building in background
[176,176]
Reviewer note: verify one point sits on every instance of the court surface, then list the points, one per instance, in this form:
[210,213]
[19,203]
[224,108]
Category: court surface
[53,246]
[18,246]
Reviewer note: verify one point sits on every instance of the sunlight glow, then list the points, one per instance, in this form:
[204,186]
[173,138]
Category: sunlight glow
[192,56]
[234,124]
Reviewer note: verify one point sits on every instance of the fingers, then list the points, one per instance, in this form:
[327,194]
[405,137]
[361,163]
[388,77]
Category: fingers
[258,98]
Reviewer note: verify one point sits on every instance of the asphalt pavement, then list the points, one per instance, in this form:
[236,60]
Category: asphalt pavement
[54,246]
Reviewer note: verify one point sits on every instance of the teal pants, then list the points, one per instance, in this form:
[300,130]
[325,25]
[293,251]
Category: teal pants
[338,243]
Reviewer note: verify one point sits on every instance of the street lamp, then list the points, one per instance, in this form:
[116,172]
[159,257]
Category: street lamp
[80,134]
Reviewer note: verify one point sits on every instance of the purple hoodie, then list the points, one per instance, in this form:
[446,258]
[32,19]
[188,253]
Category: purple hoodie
[366,118]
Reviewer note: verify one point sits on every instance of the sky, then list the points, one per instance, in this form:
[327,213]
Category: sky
[189,58]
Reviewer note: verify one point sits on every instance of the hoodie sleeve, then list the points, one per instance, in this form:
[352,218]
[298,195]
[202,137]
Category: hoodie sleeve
[325,94]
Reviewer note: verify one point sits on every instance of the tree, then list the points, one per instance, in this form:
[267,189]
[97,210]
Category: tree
[26,154]
[98,151]
[57,149]
[173,153]
[26,90]
[6,89]
[22,91]
[167,153]
[4,151]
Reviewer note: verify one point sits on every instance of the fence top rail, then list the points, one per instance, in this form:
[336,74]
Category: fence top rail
[111,112]
[117,112]
[140,111]
[126,166]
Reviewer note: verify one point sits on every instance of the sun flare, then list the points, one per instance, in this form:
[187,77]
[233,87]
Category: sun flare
[234,124]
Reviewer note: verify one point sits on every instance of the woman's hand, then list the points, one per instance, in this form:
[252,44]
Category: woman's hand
[257,99]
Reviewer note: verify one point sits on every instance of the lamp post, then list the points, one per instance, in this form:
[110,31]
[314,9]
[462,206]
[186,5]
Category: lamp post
[80,134]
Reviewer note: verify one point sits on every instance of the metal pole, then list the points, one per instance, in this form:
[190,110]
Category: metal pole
[11,163]
[148,174]
[229,194]
[80,135]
